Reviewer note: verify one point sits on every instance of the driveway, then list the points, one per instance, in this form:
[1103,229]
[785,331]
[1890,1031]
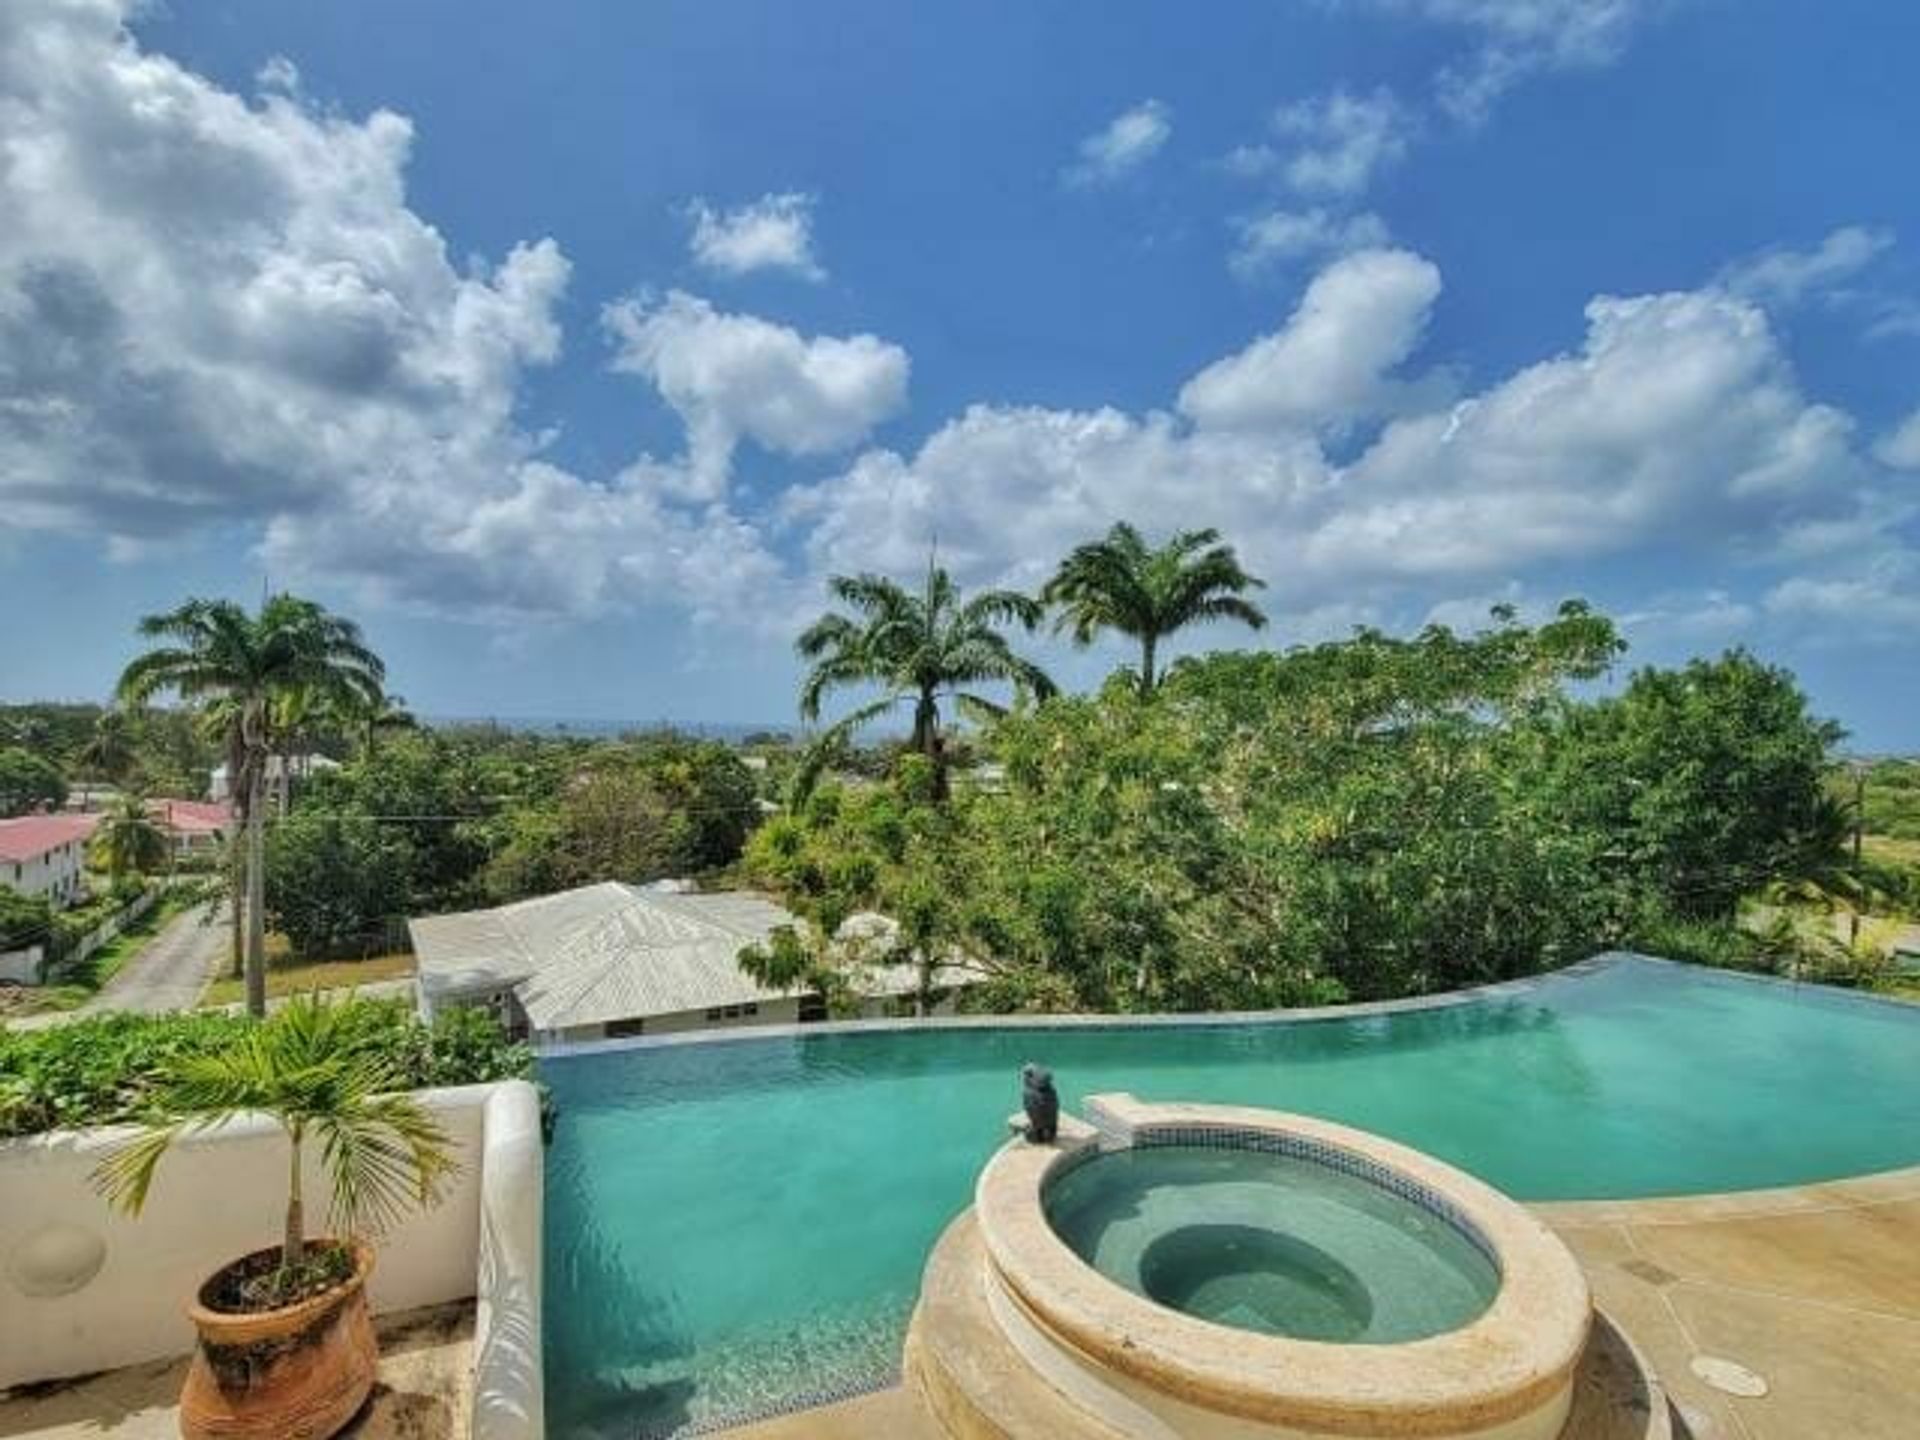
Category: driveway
[169,971]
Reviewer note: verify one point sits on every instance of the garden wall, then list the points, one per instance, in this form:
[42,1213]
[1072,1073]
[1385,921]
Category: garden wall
[83,1288]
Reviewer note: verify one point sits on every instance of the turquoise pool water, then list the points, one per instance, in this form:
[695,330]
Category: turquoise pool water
[738,1227]
[1271,1243]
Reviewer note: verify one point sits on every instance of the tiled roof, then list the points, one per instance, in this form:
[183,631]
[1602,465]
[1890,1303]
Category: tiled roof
[618,952]
[602,952]
[191,817]
[31,836]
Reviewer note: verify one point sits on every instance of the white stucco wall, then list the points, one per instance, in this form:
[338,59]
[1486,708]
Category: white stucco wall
[508,1381]
[55,873]
[83,1288]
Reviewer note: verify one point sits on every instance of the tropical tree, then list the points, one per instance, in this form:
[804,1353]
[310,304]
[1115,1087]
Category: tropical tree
[29,782]
[383,1151]
[1119,582]
[916,648]
[109,752]
[388,712]
[243,664]
[126,841]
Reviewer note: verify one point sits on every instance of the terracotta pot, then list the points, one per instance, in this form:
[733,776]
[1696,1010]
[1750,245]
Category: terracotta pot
[297,1373]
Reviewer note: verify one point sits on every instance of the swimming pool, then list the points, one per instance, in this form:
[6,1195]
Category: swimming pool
[735,1228]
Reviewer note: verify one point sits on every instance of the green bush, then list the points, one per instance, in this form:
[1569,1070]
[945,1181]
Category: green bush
[105,1070]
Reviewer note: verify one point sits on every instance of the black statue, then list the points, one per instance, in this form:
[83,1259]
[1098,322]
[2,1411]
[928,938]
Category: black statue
[1042,1103]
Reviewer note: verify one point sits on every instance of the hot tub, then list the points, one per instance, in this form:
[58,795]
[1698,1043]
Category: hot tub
[1280,1244]
[1232,1274]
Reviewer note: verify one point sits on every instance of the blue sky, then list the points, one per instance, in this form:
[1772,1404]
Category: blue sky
[569,346]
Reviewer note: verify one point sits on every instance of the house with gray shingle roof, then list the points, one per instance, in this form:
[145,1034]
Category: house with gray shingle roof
[613,959]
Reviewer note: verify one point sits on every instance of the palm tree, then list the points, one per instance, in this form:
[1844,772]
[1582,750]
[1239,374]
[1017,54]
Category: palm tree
[243,664]
[915,647]
[127,841]
[384,1151]
[1119,583]
[389,712]
[109,753]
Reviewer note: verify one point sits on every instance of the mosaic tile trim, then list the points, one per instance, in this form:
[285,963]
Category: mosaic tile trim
[832,1394]
[1334,1157]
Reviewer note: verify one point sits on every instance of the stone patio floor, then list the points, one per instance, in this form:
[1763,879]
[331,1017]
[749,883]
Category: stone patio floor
[1815,1291]
[424,1391]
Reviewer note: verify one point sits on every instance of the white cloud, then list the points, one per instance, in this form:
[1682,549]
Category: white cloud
[734,377]
[1338,142]
[278,73]
[1783,276]
[1900,446]
[1359,319]
[1513,40]
[215,311]
[1876,598]
[1678,417]
[1279,236]
[1125,143]
[1675,429]
[774,232]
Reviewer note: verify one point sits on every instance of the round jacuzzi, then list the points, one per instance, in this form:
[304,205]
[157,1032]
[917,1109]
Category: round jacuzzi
[1272,1243]
[1234,1274]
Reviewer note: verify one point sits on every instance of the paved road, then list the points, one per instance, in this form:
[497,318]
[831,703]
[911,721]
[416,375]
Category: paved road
[170,970]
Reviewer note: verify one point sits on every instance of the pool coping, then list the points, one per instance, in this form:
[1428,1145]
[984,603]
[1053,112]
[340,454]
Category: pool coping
[1202,1019]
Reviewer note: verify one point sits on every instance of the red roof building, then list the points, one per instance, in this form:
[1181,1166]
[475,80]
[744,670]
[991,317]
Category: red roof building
[46,855]
[31,836]
[192,824]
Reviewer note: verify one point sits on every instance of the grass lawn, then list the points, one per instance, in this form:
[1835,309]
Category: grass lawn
[1892,849]
[287,976]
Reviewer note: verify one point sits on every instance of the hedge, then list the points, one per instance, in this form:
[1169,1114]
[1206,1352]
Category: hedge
[103,1070]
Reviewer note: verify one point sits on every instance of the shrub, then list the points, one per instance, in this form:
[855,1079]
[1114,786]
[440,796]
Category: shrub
[108,1069]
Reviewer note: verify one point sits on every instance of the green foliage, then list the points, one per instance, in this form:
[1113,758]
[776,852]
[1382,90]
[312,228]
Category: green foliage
[29,783]
[1119,582]
[383,1151]
[1709,779]
[1892,798]
[1363,819]
[111,1068]
[334,882]
[642,810]
[127,843]
[915,648]
[24,919]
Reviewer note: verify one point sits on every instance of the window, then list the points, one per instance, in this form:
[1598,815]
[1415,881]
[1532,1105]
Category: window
[732,1012]
[617,1029]
[813,1009]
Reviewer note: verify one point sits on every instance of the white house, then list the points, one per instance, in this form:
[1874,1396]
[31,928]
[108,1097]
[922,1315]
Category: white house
[46,855]
[610,959]
[299,767]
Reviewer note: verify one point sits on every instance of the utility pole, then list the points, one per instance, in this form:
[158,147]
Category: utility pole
[1859,768]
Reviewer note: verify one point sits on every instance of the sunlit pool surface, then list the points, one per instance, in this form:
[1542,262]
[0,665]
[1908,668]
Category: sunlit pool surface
[737,1228]
[1271,1243]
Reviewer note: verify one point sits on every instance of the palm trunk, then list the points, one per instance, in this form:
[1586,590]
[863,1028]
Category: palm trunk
[926,737]
[293,1245]
[256,890]
[236,906]
[1147,646]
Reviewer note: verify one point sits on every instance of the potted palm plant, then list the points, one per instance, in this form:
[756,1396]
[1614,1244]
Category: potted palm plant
[286,1341]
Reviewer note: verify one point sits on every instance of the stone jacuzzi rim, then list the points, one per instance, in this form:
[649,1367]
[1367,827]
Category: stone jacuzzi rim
[1516,1359]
